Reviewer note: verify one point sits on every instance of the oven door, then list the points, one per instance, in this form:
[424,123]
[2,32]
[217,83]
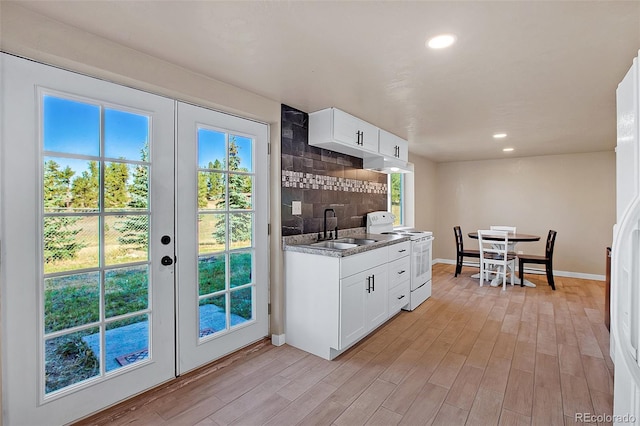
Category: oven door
[420,262]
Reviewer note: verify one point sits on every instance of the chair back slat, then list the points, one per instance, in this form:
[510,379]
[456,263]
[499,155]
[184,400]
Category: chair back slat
[458,233]
[551,241]
[509,229]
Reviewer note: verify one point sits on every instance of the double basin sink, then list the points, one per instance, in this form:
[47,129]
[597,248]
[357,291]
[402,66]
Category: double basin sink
[343,243]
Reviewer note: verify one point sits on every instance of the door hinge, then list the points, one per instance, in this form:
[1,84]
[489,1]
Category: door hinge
[268,229]
[269,309]
[269,149]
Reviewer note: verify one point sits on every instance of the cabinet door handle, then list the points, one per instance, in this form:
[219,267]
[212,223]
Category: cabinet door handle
[402,251]
[373,283]
[369,284]
[401,297]
[401,272]
[361,137]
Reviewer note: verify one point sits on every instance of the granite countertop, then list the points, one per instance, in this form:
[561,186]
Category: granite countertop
[302,243]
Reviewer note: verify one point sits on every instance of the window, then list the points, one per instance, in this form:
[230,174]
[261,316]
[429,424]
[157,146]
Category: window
[396,198]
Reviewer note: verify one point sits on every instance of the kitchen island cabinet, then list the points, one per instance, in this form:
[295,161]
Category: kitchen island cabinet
[333,302]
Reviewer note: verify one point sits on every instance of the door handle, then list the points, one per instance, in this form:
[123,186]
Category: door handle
[373,283]
[369,284]
[166,261]
[165,239]
[401,272]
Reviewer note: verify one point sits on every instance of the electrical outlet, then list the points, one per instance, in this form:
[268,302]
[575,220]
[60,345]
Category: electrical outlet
[296,207]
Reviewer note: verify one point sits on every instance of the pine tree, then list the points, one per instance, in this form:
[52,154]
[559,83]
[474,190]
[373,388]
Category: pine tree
[203,189]
[241,224]
[85,188]
[60,241]
[135,229]
[116,176]
[215,181]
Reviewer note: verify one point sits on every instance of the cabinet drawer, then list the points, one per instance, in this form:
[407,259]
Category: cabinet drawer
[399,297]
[399,270]
[359,262]
[399,250]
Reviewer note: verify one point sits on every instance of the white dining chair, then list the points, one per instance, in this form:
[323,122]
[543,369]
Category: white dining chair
[494,256]
[509,229]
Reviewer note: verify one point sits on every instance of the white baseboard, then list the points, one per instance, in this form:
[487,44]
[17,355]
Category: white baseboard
[277,339]
[556,273]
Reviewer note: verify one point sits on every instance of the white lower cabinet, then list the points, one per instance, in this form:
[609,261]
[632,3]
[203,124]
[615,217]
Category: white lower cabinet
[363,304]
[331,302]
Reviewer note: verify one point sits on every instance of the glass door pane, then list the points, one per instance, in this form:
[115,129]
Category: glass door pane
[95,239]
[224,187]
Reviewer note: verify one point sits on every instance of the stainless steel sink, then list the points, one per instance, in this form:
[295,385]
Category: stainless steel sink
[358,241]
[335,245]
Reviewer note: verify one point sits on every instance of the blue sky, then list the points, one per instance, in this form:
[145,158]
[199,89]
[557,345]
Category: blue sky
[211,146]
[74,127]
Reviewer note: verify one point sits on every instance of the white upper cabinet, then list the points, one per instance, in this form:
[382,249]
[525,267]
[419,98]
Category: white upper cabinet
[391,145]
[341,132]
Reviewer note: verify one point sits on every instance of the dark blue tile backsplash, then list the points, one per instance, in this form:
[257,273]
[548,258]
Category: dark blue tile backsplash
[323,179]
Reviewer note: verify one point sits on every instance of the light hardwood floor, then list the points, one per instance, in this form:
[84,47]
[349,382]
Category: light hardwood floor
[468,355]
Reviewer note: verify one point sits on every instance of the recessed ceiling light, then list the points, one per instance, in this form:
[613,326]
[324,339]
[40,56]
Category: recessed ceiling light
[507,149]
[500,135]
[441,41]
[394,169]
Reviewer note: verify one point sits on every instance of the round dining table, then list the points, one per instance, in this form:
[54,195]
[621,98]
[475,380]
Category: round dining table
[512,238]
[515,238]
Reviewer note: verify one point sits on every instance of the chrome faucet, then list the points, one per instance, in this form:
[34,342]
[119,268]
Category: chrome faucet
[325,222]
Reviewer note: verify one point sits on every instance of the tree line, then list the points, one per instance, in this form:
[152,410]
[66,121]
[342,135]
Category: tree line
[65,192]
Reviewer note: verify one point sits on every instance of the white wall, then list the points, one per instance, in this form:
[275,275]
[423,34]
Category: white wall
[573,194]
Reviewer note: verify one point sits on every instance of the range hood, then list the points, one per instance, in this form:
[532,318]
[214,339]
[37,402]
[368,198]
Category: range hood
[386,165]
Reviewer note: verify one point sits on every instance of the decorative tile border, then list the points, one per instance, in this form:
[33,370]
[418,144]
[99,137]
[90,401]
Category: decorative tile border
[291,179]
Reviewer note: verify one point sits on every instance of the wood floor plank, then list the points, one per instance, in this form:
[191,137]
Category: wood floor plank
[366,404]
[547,406]
[570,360]
[450,415]
[528,331]
[524,356]
[575,395]
[384,417]
[547,372]
[465,341]
[519,393]
[505,345]
[464,388]
[486,408]
[303,406]
[496,375]
[249,400]
[448,369]
[425,406]
[599,377]
[510,418]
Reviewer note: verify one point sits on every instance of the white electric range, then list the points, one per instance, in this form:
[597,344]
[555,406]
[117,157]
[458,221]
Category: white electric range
[421,258]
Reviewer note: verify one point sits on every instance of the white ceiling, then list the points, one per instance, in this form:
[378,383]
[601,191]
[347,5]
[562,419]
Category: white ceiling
[543,72]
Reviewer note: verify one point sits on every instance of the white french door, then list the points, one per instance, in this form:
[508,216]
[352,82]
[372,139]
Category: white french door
[92,225]
[222,221]
[87,196]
